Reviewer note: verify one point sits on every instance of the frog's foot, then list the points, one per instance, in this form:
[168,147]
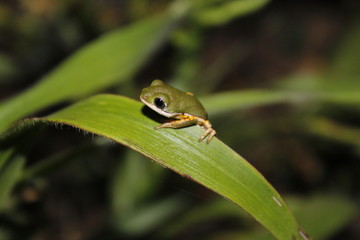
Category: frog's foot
[210,132]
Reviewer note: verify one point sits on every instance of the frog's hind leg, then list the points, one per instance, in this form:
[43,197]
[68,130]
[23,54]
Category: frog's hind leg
[183,122]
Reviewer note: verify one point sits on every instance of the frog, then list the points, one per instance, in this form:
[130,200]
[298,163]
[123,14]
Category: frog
[182,108]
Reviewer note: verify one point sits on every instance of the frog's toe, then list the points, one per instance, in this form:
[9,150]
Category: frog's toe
[210,133]
[201,138]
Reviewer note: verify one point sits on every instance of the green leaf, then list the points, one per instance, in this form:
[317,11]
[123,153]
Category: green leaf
[134,179]
[212,210]
[8,177]
[333,130]
[313,212]
[55,161]
[346,64]
[309,86]
[227,11]
[113,58]
[213,165]
[323,215]
[147,218]
[5,154]
[7,68]
[228,101]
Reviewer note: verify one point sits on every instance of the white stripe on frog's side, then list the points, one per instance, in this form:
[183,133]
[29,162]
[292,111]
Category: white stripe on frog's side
[169,115]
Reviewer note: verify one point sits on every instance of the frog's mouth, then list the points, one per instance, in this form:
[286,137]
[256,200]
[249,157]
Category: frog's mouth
[159,111]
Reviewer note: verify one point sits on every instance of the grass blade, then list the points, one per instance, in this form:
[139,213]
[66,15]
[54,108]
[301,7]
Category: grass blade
[8,177]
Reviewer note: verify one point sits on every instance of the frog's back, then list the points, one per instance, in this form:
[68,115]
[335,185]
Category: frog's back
[190,105]
[196,108]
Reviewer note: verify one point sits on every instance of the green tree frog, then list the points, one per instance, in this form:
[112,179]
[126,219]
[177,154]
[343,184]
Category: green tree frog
[182,107]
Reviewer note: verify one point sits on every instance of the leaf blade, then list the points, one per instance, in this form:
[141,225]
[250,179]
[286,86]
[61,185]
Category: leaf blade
[113,58]
[213,165]
[227,11]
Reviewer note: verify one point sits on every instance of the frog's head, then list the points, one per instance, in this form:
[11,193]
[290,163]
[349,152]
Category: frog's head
[159,97]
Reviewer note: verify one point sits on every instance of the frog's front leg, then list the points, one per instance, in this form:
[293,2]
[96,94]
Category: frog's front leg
[183,121]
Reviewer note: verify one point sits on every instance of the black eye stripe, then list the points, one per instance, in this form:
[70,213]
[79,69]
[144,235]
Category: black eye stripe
[159,103]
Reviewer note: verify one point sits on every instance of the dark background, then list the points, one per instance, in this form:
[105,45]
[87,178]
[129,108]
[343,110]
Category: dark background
[73,200]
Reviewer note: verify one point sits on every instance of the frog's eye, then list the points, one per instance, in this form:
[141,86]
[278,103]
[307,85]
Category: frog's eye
[159,103]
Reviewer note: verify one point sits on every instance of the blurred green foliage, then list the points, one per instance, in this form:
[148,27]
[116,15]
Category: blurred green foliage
[280,82]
